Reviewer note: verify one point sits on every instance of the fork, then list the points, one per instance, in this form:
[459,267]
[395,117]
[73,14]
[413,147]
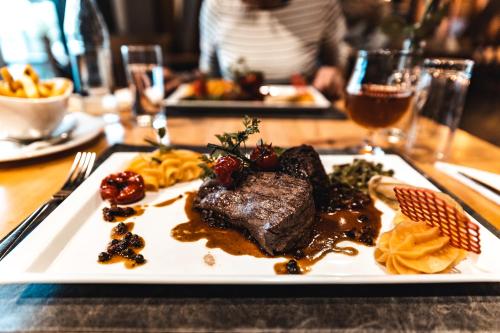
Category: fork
[80,170]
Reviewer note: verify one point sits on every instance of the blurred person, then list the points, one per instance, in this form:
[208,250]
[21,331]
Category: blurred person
[363,18]
[277,37]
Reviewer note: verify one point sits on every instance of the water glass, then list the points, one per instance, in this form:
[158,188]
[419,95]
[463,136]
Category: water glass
[143,65]
[441,92]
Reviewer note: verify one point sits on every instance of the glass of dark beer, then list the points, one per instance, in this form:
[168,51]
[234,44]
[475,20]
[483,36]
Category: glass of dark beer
[379,92]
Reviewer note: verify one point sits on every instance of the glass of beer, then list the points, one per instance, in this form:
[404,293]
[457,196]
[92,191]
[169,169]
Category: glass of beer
[379,92]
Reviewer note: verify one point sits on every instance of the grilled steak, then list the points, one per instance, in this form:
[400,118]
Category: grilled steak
[303,162]
[276,209]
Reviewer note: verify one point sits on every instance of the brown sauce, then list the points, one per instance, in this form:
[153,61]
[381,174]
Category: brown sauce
[329,230]
[228,240]
[169,201]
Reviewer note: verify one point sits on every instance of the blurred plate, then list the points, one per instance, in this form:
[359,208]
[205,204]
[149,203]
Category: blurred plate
[87,128]
[281,98]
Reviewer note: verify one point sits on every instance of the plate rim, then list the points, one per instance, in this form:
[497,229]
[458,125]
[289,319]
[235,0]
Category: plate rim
[72,143]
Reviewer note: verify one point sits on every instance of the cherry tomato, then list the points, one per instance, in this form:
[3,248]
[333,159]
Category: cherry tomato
[265,158]
[123,188]
[226,169]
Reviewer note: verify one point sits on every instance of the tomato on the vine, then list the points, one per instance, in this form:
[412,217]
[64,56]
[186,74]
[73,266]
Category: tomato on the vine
[265,158]
[226,169]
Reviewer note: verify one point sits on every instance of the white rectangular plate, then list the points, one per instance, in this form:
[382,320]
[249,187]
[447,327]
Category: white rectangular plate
[176,100]
[64,248]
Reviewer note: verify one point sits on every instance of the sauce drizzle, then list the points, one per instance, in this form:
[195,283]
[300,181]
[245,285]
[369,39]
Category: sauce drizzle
[168,202]
[330,229]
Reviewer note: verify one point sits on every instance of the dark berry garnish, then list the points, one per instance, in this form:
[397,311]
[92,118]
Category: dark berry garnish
[292,267]
[128,236]
[104,256]
[128,253]
[351,233]
[355,205]
[139,259]
[363,219]
[110,213]
[116,247]
[120,228]
[136,241]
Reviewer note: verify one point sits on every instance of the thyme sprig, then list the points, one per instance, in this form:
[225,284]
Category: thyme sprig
[230,144]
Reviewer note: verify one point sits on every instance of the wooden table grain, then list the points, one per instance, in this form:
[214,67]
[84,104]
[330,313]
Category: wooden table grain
[25,185]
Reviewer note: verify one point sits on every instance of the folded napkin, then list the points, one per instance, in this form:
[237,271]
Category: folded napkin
[489,178]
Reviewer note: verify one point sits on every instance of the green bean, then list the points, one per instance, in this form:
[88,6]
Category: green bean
[358,173]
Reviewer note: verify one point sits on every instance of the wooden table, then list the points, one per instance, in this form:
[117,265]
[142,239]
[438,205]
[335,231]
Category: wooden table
[119,308]
[25,185]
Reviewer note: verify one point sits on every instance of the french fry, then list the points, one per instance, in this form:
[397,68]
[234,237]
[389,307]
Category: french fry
[16,84]
[43,90]
[48,84]
[29,86]
[59,88]
[5,89]
[9,79]
[21,93]
[28,70]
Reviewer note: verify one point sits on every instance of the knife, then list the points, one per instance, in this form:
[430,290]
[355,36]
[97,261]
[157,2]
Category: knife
[480,183]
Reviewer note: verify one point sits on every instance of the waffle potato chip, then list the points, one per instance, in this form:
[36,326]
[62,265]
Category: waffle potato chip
[439,210]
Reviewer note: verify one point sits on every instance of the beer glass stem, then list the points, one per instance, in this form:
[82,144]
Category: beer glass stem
[368,147]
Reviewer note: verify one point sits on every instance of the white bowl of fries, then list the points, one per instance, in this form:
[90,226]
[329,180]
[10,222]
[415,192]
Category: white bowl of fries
[31,108]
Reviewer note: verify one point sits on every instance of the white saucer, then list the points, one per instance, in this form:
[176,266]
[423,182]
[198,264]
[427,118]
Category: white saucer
[87,128]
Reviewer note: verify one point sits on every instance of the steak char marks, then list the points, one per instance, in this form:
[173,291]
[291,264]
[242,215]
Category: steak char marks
[304,162]
[276,209]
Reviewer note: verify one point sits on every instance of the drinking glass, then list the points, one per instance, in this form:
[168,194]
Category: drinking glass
[143,65]
[440,97]
[379,92]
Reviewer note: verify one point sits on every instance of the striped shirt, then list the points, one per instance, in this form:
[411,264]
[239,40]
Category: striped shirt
[296,38]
